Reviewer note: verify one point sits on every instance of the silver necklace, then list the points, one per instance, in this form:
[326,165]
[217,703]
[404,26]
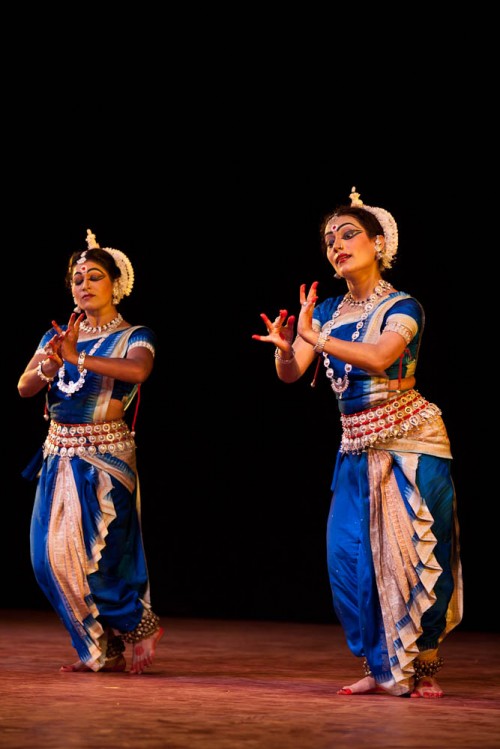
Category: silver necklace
[111,325]
[340,384]
[72,387]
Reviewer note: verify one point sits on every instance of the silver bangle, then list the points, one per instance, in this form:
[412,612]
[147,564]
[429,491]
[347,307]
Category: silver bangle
[80,365]
[278,357]
[320,343]
[40,373]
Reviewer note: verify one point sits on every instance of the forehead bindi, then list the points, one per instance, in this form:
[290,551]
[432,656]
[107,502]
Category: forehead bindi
[336,225]
[83,270]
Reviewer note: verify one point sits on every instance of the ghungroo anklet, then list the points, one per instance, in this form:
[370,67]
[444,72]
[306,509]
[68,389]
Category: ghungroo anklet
[149,624]
[427,668]
[115,647]
[366,668]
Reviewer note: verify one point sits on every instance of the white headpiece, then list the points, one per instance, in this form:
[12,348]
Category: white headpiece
[122,285]
[388,224]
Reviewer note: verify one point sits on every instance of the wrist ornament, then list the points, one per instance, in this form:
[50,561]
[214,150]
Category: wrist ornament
[278,357]
[80,365]
[40,373]
[320,343]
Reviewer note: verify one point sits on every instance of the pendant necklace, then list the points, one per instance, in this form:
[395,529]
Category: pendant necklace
[340,384]
[72,387]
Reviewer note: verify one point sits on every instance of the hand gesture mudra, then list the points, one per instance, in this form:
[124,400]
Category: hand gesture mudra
[66,340]
[281,332]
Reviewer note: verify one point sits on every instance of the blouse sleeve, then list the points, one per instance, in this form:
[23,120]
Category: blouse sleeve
[143,337]
[40,349]
[406,318]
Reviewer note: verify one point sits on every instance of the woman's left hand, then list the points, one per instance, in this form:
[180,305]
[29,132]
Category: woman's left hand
[307,302]
[68,338]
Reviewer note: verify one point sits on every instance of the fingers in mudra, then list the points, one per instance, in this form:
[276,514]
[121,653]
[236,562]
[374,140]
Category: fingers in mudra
[274,328]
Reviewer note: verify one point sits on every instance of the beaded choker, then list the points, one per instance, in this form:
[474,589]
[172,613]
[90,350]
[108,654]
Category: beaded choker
[111,325]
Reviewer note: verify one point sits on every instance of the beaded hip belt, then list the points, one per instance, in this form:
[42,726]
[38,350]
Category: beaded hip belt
[393,419]
[96,438]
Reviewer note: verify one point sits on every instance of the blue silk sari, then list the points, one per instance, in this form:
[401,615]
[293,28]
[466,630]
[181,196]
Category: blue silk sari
[392,533]
[86,542]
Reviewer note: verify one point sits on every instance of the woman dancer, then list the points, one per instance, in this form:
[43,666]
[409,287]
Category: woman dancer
[86,542]
[392,532]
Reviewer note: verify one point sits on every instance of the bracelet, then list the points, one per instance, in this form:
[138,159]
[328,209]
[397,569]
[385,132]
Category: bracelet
[80,365]
[40,373]
[277,355]
[320,343]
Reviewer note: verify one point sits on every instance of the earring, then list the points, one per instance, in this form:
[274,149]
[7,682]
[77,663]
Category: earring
[77,308]
[116,293]
[336,275]
[378,248]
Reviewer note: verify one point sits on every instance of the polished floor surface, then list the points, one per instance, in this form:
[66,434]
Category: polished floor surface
[218,684]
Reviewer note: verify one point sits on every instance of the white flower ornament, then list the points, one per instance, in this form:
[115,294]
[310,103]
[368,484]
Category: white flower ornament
[388,224]
[124,284]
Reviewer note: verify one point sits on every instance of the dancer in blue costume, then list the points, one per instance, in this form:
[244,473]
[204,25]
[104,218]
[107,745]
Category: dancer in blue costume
[86,541]
[392,532]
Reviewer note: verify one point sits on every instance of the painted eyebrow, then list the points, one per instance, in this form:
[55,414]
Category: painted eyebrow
[346,223]
[79,272]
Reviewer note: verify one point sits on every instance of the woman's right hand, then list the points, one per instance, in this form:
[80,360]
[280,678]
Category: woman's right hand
[281,332]
[53,349]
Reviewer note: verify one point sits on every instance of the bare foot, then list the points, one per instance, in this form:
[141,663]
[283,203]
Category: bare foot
[111,664]
[367,685]
[75,667]
[143,652]
[427,687]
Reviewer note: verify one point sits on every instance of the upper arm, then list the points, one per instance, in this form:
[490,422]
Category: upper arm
[142,348]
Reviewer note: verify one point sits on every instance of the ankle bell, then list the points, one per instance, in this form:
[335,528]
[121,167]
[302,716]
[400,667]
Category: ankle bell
[427,668]
[115,647]
[366,668]
[149,624]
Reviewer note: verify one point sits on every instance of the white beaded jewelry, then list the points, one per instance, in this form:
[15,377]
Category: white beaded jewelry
[40,373]
[340,384]
[72,387]
[109,326]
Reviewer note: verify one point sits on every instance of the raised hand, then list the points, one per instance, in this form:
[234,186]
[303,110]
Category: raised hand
[67,339]
[280,332]
[307,301]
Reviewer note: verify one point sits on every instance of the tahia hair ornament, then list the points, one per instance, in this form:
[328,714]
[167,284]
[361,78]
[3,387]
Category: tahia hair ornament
[123,285]
[388,224]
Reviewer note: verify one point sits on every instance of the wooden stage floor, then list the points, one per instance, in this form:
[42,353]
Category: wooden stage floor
[219,684]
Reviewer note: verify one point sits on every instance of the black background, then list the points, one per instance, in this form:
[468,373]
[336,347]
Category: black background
[216,191]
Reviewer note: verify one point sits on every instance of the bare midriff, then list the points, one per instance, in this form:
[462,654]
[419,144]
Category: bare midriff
[115,410]
[406,383]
